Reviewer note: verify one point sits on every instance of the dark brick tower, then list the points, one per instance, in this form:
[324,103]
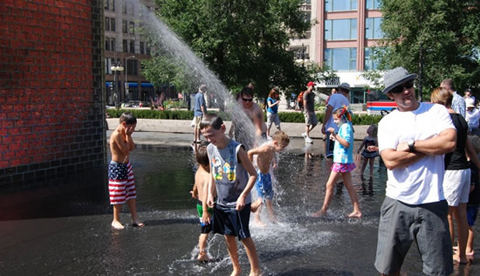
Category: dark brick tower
[52,106]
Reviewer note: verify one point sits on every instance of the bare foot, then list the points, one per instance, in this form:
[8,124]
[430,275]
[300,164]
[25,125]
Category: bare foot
[259,222]
[236,272]
[319,214]
[117,225]
[254,207]
[355,215]
[138,224]
[203,257]
[458,260]
[255,273]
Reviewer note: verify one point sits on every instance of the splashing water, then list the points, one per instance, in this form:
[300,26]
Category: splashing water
[167,41]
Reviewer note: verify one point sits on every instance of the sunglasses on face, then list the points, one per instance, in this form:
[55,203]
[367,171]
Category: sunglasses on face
[402,87]
[247,100]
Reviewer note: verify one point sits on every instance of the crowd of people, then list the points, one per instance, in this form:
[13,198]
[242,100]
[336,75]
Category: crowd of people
[428,149]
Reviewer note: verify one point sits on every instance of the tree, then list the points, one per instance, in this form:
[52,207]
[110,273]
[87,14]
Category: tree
[241,41]
[435,38]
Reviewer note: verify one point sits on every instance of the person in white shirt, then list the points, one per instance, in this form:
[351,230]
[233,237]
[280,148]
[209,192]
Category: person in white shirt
[412,141]
[472,117]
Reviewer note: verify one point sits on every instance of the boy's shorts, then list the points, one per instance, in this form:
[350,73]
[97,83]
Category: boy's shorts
[206,228]
[198,120]
[472,212]
[228,221]
[401,224]
[456,186]
[264,185]
[273,118]
[121,182]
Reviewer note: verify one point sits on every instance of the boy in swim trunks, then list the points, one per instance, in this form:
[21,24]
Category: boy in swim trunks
[233,176]
[121,182]
[202,176]
[265,156]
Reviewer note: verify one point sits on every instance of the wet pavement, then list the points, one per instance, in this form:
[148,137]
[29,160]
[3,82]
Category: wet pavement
[84,243]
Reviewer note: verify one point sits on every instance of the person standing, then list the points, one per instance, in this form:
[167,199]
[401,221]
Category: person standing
[272,110]
[335,101]
[458,102]
[200,110]
[412,142]
[457,175]
[121,181]
[311,120]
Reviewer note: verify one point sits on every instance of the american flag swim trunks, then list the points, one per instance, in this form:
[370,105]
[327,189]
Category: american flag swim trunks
[121,182]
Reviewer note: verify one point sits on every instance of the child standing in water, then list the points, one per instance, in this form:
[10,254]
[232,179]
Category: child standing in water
[233,176]
[265,155]
[202,176]
[371,148]
[342,161]
[121,182]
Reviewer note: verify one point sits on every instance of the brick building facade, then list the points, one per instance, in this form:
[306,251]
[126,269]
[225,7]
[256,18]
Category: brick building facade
[52,103]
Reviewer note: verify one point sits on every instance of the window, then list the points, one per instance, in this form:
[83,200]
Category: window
[132,67]
[108,66]
[341,5]
[125,26]
[370,62]
[372,28]
[125,46]
[132,46]
[110,5]
[112,44]
[132,27]
[107,24]
[341,29]
[373,4]
[341,59]
[142,47]
[148,50]
[112,24]
[107,44]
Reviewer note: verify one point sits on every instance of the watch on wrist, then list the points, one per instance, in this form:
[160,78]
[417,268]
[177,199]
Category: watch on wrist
[411,145]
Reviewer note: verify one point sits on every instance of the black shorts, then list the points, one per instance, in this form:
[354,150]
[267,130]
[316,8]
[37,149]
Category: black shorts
[228,221]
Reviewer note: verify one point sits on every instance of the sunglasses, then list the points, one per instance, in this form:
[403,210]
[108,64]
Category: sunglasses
[402,87]
[247,100]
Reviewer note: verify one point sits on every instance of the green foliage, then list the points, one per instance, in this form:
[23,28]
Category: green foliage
[241,41]
[437,39]
[285,117]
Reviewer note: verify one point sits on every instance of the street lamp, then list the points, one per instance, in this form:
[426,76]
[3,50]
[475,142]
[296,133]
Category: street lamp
[116,67]
[126,76]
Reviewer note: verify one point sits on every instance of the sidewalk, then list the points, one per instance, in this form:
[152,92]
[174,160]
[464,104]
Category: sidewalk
[183,127]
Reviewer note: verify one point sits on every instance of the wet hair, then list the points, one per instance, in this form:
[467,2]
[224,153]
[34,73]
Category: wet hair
[344,113]
[374,130]
[128,118]
[449,84]
[202,157]
[441,96]
[212,120]
[475,140]
[281,138]
[246,92]
[273,92]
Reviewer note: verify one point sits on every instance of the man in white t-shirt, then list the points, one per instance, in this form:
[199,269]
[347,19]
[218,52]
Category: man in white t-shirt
[335,101]
[472,117]
[412,142]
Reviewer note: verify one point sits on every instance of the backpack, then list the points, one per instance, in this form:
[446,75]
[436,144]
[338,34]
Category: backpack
[300,99]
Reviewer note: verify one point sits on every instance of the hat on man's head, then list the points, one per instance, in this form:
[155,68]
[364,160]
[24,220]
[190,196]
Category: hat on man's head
[395,77]
[470,102]
[310,83]
[344,86]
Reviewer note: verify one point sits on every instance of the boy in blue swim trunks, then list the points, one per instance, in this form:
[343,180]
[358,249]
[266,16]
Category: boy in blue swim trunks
[202,176]
[232,175]
[265,156]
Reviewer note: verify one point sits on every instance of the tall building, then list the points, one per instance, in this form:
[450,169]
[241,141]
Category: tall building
[342,39]
[124,49]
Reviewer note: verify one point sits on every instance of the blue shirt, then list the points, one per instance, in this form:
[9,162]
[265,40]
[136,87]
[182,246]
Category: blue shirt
[273,109]
[340,153]
[199,102]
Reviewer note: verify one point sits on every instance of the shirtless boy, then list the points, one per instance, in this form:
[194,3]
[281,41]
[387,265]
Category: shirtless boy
[265,156]
[121,182]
